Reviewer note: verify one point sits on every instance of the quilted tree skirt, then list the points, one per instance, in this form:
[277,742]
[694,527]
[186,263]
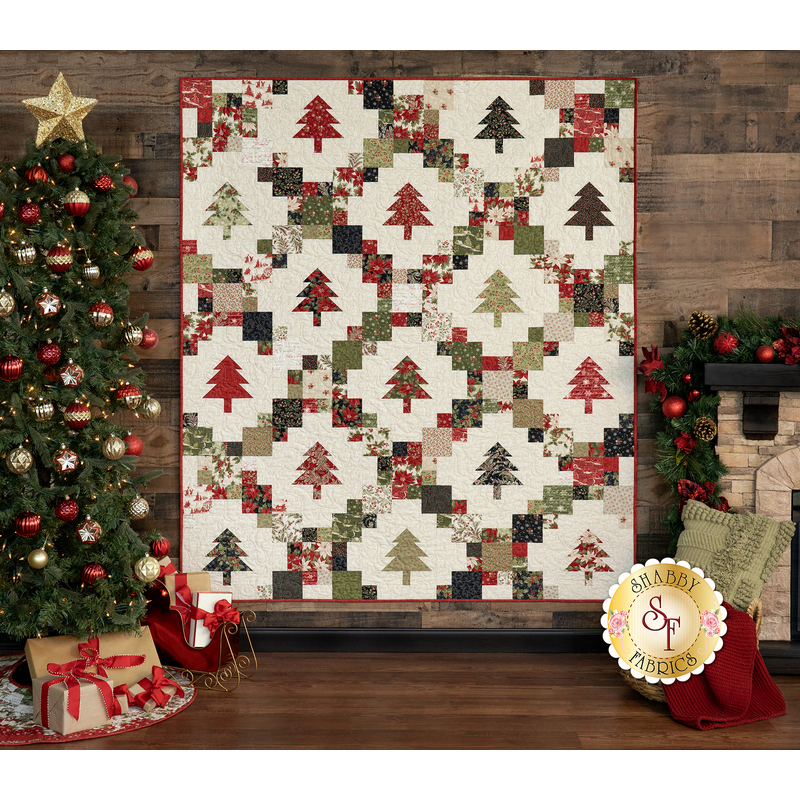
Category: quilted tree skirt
[408,337]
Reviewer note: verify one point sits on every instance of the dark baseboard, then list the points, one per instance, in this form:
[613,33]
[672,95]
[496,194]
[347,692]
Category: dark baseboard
[781,658]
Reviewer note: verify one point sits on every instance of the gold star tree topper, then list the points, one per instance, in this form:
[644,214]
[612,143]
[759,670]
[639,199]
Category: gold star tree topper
[60,113]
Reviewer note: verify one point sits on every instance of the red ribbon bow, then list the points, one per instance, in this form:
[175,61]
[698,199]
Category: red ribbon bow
[223,612]
[90,652]
[183,600]
[70,674]
[153,689]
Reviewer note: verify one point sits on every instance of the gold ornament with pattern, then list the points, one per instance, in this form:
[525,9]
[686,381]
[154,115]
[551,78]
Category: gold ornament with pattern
[60,113]
[42,410]
[113,448]
[147,569]
[19,460]
[133,335]
[138,508]
[7,304]
[150,409]
[25,254]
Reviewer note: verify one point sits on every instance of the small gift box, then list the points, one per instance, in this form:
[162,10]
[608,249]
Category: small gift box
[69,699]
[122,700]
[131,657]
[155,691]
[210,610]
[181,586]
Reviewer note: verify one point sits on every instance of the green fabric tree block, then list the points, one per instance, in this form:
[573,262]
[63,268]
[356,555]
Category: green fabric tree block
[739,552]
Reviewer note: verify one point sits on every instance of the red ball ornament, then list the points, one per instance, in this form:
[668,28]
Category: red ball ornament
[93,572]
[103,184]
[160,548]
[66,162]
[686,377]
[2,210]
[129,395]
[67,510]
[27,524]
[36,174]
[725,343]
[141,258]
[11,368]
[29,213]
[133,187]
[694,394]
[76,203]
[149,339]
[765,354]
[49,353]
[133,445]
[59,258]
[77,415]
[674,407]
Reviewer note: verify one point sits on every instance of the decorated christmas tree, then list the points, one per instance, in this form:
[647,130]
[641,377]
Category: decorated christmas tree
[70,561]
[406,385]
[589,557]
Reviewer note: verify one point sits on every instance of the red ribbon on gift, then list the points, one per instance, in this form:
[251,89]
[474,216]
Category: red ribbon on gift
[153,689]
[223,612]
[121,691]
[70,674]
[169,569]
[183,600]
[90,652]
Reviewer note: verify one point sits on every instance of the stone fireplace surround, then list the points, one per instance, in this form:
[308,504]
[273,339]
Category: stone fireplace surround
[761,477]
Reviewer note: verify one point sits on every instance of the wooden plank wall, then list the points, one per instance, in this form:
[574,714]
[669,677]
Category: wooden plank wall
[719,223]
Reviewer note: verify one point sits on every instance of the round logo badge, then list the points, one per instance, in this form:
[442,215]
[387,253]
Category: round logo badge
[664,621]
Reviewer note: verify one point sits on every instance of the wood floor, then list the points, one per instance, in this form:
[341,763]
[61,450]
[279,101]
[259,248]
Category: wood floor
[432,701]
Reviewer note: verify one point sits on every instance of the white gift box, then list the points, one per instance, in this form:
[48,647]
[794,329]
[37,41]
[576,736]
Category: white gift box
[199,635]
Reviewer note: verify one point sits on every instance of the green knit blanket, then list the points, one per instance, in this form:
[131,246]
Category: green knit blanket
[739,552]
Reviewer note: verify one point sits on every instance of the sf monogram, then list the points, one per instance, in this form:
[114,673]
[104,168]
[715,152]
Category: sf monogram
[670,623]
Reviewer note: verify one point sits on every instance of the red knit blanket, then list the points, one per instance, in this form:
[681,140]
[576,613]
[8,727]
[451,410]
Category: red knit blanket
[734,689]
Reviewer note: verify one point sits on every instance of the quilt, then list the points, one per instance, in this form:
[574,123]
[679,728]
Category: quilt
[408,329]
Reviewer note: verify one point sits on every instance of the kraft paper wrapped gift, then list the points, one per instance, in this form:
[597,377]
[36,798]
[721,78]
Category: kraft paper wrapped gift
[62,649]
[155,691]
[51,703]
[200,633]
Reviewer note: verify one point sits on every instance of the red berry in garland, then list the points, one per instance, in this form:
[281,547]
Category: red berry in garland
[686,377]
[36,174]
[694,394]
[49,353]
[67,510]
[11,368]
[674,407]
[133,445]
[725,343]
[130,182]
[141,258]
[29,213]
[66,162]
[765,354]
[103,184]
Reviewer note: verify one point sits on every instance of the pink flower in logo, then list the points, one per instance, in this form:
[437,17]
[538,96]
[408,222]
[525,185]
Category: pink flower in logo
[710,623]
[617,623]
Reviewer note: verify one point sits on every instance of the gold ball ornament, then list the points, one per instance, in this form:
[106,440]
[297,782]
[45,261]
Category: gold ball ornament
[37,559]
[147,569]
[19,461]
[150,409]
[91,272]
[25,254]
[138,508]
[133,335]
[42,410]
[7,304]
[113,448]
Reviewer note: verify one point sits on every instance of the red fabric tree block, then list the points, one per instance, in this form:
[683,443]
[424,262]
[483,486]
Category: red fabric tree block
[734,689]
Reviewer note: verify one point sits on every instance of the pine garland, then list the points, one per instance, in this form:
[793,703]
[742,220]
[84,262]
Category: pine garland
[688,463]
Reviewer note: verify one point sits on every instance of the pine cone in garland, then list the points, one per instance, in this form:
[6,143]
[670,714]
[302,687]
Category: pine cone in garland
[705,429]
[702,325]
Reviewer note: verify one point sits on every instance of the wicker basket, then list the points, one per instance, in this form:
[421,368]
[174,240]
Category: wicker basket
[655,691]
